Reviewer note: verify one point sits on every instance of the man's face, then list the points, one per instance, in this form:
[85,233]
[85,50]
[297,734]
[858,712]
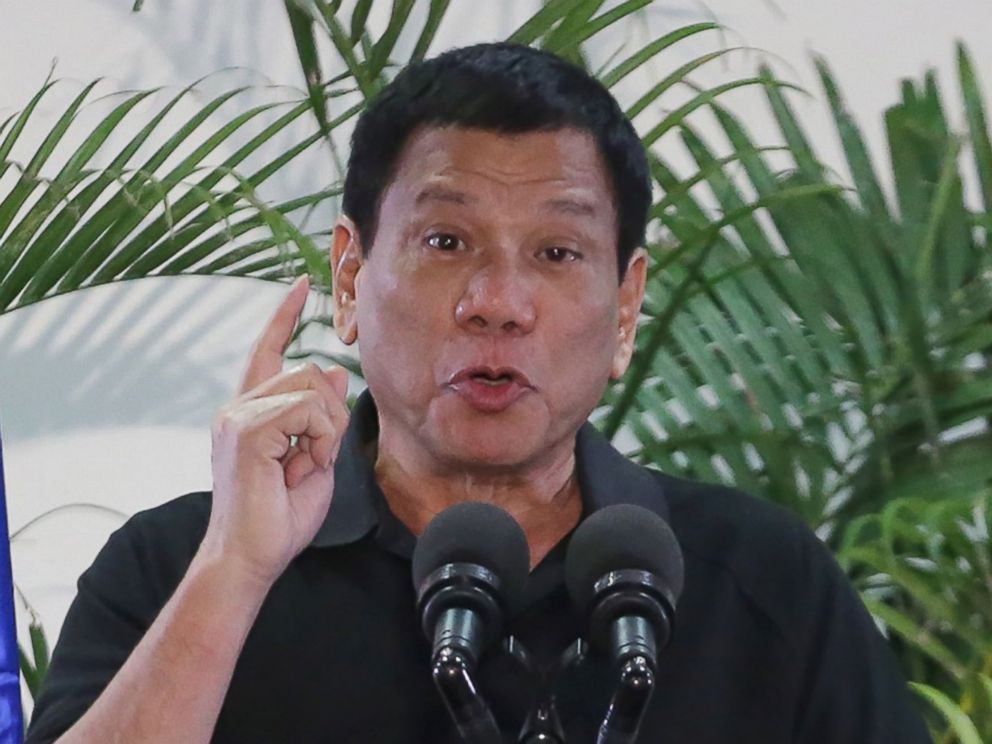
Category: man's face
[488,309]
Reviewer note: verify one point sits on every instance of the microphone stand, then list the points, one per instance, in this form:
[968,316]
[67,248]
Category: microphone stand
[633,637]
[452,673]
[623,718]
[543,724]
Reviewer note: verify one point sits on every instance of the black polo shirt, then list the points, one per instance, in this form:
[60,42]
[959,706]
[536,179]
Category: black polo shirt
[771,642]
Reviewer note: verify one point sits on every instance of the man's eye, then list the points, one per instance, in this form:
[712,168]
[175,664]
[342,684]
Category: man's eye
[557,254]
[444,242]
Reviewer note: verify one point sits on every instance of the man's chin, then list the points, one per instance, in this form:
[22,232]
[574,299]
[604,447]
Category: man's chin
[496,442]
[491,451]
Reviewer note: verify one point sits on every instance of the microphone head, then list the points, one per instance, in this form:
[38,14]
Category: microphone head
[480,534]
[617,538]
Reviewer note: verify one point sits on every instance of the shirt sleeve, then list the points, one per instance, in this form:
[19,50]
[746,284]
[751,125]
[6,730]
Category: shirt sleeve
[118,597]
[851,688]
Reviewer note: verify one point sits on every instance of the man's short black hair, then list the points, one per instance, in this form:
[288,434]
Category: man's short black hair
[505,88]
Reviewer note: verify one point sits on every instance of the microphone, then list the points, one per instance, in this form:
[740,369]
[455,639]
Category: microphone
[469,568]
[624,571]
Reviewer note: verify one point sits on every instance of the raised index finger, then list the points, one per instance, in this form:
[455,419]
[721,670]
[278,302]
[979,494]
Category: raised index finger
[265,360]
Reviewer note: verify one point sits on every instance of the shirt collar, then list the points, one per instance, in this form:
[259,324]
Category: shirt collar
[605,477]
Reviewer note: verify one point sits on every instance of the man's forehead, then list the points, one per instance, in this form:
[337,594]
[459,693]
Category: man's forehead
[578,202]
[563,168]
[445,156]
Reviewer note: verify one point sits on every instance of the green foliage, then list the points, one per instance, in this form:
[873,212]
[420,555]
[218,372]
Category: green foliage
[814,375]
[35,667]
[924,566]
[961,728]
[172,211]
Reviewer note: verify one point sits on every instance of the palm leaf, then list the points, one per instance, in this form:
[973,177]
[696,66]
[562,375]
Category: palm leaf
[978,126]
[90,224]
[964,729]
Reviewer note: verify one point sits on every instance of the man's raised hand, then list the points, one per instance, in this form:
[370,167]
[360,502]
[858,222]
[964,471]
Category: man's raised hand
[274,447]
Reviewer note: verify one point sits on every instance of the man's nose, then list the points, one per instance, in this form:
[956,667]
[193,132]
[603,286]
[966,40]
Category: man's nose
[498,298]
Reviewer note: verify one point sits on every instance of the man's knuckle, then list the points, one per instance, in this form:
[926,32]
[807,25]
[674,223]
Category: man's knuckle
[315,375]
[315,399]
[302,370]
[224,420]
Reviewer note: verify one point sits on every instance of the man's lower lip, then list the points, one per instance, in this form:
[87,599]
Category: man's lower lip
[489,398]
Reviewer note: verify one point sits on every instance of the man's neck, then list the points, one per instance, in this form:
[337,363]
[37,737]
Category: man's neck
[545,501]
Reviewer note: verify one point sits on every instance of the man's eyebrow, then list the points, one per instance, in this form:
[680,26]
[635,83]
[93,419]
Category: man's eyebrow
[443,194]
[572,206]
[567,205]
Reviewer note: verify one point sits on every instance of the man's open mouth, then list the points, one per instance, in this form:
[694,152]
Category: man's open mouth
[493,377]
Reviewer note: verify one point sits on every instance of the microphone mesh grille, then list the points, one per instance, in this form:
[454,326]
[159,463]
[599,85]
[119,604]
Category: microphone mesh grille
[623,536]
[477,533]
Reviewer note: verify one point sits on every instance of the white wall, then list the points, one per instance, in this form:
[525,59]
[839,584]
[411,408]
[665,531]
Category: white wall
[106,394]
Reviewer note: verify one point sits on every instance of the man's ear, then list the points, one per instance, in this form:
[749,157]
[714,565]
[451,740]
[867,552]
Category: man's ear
[630,298]
[347,258]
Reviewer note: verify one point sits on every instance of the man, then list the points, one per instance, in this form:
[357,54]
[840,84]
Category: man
[489,263]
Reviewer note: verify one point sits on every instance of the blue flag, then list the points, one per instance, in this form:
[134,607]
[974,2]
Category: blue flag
[11,716]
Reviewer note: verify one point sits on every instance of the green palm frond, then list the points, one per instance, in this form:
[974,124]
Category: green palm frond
[961,728]
[181,209]
[924,564]
[817,374]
